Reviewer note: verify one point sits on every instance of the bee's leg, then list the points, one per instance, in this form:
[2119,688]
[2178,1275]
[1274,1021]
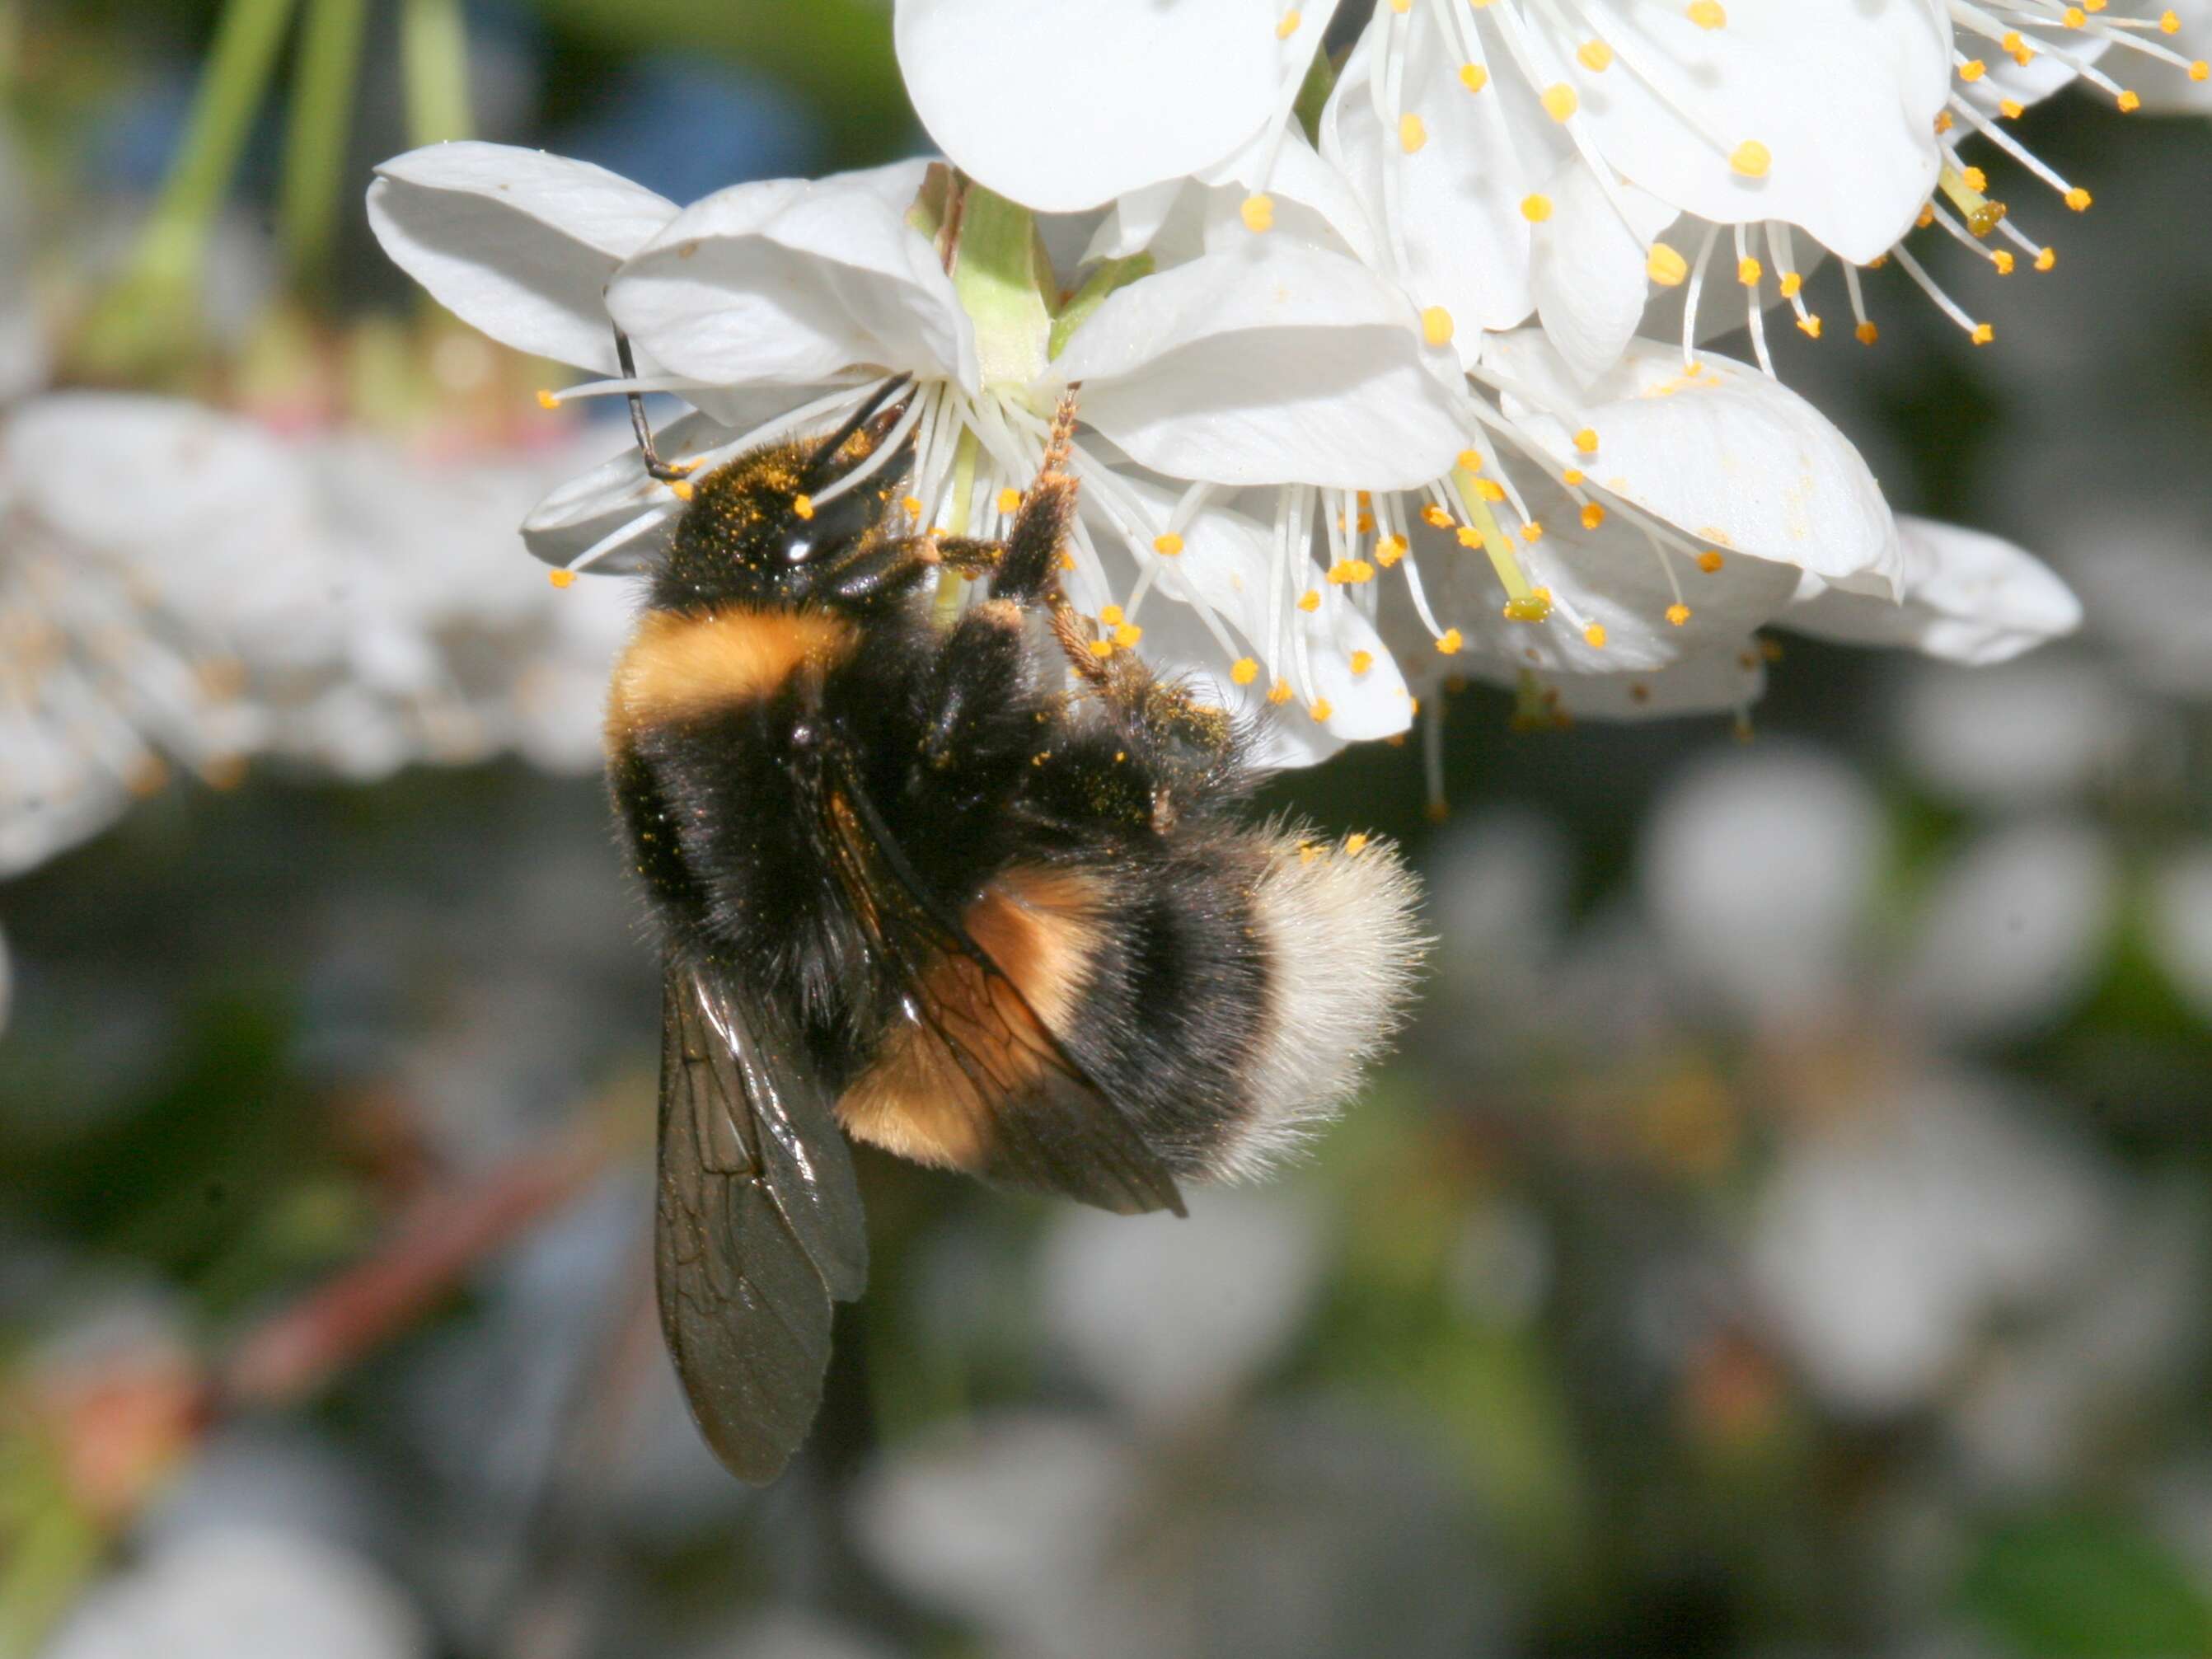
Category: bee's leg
[979,707]
[1035,542]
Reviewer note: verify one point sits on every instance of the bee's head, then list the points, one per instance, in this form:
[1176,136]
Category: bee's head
[772,527]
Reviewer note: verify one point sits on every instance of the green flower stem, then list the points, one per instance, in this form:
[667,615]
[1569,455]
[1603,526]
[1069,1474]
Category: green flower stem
[1001,273]
[150,310]
[315,144]
[433,53]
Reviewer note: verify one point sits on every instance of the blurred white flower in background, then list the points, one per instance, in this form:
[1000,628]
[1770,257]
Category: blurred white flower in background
[181,585]
[1190,1520]
[241,1594]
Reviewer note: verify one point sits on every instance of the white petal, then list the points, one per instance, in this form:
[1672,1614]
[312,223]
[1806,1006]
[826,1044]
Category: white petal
[1843,96]
[797,282]
[1315,202]
[581,512]
[1275,364]
[519,243]
[1134,221]
[1735,459]
[1587,267]
[1226,564]
[1065,106]
[1969,597]
[1457,237]
[1726,681]
[1609,578]
[2043,730]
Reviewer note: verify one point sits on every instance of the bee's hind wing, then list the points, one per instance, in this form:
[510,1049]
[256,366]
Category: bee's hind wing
[1044,1120]
[759,1224]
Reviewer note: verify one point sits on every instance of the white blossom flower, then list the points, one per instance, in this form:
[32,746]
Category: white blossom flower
[1519,157]
[776,308]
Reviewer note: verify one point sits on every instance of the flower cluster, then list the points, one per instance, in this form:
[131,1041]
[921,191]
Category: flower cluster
[1389,357]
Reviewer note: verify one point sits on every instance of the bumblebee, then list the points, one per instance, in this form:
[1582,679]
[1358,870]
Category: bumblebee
[979,894]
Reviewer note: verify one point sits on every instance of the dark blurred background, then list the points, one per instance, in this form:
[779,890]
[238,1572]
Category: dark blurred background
[1784,1231]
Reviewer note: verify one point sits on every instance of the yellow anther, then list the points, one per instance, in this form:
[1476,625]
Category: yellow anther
[1355,845]
[1258,211]
[1572,478]
[1983,334]
[1309,601]
[1468,460]
[1532,531]
[912,505]
[1389,550]
[547,399]
[1593,636]
[2012,42]
[1110,615]
[1362,662]
[1339,573]
[1748,271]
[1867,333]
[1244,670]
[2011,108]
[2003,260]
[1321,709]
[1413,133]
[1308,852]
[1707,14]
[2199,70]
[681,489]
[1751,159]
[1535,209]
[1289,26]
[802,504]
[1559,102]
[561,578]
[1436,326]
[1709,561]
[1593,515]
[1450,641]
[1009,500]
[1473,77]
[1102,647]
[1365,524]
[1470,536]
[1665,266]
[1532,607]
[1809,324]
[2169,22]
[2047,258]
[1362,571]
[1435,517]
[2074,17]
[2129,102]
[1927,217]
[1586,441]
[1975,178]
[1401,7]
[2078,199]
[1594,56]
[1973,69]
[1128,634]
[1792,283]
[1490,489]
[1167,545]
[1279,692]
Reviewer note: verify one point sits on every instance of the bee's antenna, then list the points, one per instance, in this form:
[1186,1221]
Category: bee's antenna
[654,466]
[859,417]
